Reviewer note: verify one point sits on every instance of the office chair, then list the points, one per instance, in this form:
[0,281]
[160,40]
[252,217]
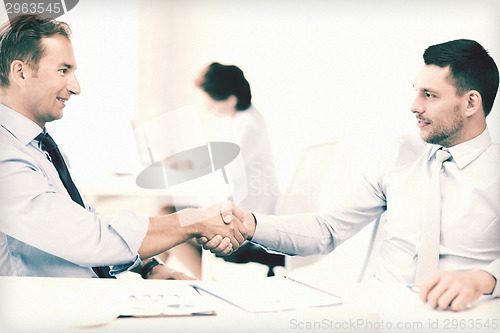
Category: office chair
[303,195]
[323,169]
[308,189]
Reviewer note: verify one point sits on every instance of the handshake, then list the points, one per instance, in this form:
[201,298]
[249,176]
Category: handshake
[221,228]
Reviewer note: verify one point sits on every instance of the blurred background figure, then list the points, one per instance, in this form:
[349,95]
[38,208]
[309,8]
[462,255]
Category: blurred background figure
[227,99]
[229,116]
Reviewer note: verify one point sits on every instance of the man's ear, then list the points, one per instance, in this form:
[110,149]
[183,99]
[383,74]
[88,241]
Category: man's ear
[474,103]
[18,73]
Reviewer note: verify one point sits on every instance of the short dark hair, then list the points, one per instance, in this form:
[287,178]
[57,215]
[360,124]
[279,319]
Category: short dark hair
[471,67]
[20,39]
[221,81]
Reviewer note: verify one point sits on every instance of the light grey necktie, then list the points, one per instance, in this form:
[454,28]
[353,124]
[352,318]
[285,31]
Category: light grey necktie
[430,237]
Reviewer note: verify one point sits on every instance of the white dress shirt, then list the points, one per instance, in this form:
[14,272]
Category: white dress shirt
[470,231]
[42,231]
[255,178]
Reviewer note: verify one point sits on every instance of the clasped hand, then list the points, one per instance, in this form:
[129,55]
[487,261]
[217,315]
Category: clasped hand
[231,214]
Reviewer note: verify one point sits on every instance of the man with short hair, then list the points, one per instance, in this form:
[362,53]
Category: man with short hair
[455,92]
[45,227]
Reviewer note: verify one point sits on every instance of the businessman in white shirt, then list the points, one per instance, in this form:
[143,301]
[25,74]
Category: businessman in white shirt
[455,91]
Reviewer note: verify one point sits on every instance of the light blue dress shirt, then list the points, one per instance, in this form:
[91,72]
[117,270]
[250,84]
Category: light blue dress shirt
[42,231]
[470,229]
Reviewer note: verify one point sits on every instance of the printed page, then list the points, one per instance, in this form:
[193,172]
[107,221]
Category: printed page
[269,295]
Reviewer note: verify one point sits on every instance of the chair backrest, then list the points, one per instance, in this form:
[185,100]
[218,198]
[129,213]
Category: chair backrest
[306,185]
[304,191]
[310,181]
[369,264]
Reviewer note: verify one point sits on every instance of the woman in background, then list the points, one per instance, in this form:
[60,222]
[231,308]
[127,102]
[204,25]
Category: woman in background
[226,95]
[226,98]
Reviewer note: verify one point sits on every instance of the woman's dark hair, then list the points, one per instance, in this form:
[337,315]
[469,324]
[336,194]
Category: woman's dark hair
[220,82]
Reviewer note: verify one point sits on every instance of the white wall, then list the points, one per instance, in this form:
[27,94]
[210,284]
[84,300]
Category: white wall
[96,128]
[319,70]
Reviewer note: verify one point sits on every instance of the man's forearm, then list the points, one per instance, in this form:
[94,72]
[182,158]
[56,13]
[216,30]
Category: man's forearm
[165,232]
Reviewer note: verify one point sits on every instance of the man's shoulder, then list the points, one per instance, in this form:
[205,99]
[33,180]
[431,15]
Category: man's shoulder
[7,142]
[11,148]
[411,141]
[493,153]
[495,147]
[407,146]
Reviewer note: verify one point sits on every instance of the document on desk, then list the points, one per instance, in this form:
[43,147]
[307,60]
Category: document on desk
[165,300]
[272,294]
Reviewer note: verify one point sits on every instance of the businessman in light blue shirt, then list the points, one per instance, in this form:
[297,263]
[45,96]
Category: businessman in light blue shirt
[43,231]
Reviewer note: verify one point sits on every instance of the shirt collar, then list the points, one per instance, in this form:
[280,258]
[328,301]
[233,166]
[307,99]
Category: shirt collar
[24,129]
[466,152]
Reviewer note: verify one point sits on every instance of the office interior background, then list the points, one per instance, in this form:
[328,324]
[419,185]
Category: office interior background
[319,70]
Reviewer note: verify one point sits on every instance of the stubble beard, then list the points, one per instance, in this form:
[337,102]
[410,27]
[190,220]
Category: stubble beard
[447,134]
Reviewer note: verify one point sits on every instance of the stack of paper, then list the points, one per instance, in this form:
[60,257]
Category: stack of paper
[164,299]
[269,294]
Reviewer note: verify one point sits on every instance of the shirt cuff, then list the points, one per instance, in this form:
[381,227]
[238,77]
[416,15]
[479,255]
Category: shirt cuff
[117,269]
[494,269]
[264,229]
[265,233]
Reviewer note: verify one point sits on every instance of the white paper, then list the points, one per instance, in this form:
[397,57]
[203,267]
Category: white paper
[270,294]
[160,299]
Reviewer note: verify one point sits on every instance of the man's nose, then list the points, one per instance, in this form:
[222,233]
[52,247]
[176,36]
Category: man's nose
[416,106]
[74,86]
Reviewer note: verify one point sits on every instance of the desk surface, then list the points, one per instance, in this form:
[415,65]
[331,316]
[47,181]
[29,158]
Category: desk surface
[55,305]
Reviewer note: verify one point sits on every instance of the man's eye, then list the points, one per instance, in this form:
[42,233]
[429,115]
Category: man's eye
[63,70]
[429,95]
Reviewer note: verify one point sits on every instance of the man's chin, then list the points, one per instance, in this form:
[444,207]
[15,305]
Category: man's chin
[53,117]
[424,136]
[433,140]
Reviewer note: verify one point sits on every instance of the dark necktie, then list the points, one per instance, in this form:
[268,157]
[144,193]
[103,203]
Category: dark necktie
[49,145]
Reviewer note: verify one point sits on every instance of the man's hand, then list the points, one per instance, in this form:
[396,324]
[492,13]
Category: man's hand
[167,231]
[229,236]
[456,289]
[229,211]
[220,246]
[162,272]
